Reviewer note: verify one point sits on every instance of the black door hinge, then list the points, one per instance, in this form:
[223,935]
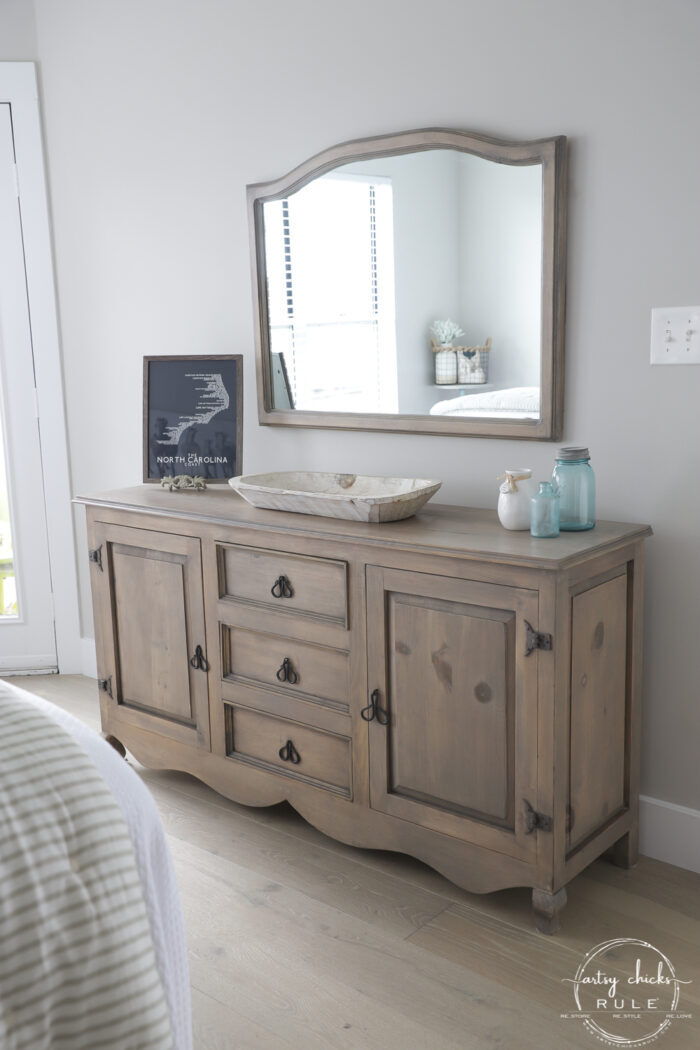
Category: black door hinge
[96,557]
[105,684]
[535,640]
[535,821]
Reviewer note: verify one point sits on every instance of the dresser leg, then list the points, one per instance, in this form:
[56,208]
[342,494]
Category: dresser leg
[546,908]
[625,852]
[116,744]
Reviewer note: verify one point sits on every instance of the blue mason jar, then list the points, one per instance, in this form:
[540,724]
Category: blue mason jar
[574,480]
[544,512]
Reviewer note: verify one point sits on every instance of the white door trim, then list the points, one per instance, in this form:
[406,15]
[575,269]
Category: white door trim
[18,86]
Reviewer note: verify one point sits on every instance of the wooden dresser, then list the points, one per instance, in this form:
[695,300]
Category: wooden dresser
[436,686]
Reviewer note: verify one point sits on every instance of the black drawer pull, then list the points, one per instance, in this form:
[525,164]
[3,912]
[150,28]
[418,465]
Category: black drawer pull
[373,710]
[199,660]
[286,672]
[289,753]
[282,588]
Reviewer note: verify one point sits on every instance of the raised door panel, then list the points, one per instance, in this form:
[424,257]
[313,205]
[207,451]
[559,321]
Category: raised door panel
[150,615]
[599,706]
[459,751]
[152,654]
[456,750]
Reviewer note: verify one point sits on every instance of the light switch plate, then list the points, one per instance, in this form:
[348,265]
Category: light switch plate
[675,335]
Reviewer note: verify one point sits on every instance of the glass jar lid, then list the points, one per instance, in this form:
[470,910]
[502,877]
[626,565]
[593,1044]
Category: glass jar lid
[573,452]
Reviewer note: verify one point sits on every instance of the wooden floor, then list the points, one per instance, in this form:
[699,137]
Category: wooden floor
[296,941]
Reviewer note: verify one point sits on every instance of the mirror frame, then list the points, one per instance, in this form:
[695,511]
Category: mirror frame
[552,154]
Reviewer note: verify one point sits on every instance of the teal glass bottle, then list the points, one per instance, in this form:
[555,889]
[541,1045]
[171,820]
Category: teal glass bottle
[574,480]
[544,512]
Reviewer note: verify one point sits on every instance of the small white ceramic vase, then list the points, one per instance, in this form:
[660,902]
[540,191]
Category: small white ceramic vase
[517,489]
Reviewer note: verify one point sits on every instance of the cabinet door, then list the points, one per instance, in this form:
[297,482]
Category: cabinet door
[458,753]
[149,620]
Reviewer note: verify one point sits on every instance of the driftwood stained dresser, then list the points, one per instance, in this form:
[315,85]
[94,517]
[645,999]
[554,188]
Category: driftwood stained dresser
[436,686]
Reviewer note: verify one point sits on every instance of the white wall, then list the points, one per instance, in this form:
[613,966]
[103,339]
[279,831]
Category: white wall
[467,245]
[17,31]
[157,114]
[501,278]
[426,262]
[426,267]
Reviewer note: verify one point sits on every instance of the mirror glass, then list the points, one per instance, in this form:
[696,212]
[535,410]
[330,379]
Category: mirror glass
[363,260]
[413,289]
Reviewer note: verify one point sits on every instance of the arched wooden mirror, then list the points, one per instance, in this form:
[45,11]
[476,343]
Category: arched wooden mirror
[360,254]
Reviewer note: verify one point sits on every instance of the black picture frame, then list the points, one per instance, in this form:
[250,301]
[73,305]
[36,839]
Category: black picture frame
[193,417]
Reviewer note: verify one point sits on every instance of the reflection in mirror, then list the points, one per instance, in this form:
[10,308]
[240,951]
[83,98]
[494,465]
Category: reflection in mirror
[330,270]
[362,260]
[363,253]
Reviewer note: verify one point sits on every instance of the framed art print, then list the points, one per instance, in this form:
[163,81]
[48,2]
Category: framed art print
[193,417]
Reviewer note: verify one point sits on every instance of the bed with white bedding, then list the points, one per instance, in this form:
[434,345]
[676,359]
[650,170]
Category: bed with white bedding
[92,945]
[520,402]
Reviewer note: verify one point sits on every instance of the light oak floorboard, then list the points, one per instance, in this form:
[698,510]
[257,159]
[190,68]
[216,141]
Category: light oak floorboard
[358,889]
[220,1027]
[298,941]
[332,980]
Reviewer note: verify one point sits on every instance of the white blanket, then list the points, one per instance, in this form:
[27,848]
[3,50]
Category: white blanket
[519,402]
[128,927]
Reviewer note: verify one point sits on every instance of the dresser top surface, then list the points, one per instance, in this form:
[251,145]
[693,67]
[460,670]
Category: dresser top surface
[436,529]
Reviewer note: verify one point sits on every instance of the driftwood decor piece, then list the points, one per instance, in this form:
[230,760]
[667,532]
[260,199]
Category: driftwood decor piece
[182,482]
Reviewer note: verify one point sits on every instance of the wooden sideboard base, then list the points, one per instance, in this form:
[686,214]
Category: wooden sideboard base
[115,743]
[625,852]
[546,908]
[463,864]
[460,862]
[436,687]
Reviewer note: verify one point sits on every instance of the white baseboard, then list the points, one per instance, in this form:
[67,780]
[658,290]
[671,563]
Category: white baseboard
[19,665]
[669,832]
[89,657]
[28,665]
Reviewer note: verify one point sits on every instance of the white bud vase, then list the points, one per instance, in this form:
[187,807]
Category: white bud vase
[514,497]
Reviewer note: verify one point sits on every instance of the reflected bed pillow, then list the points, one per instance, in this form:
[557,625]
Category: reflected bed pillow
[519,402]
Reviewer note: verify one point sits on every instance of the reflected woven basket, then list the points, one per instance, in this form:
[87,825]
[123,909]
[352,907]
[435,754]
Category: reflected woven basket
[473,364]
[445,364]
[463,365]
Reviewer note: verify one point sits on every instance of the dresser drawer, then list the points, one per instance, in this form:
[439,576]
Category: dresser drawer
[290,748]
[300,669]
[300,584]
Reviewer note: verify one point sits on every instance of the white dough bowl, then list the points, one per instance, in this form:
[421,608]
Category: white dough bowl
[355,496]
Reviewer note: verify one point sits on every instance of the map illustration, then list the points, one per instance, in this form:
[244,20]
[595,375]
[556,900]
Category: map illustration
[212,398]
